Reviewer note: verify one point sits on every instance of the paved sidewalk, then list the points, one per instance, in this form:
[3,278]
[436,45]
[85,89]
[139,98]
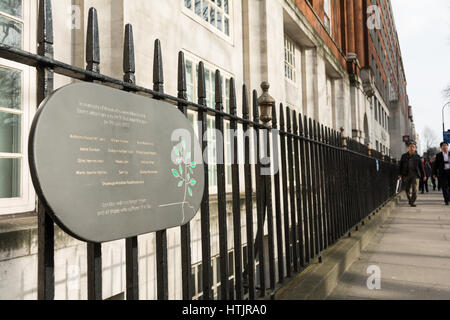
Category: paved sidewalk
[412,250]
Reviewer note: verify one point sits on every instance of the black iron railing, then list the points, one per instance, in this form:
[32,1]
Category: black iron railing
[326,185]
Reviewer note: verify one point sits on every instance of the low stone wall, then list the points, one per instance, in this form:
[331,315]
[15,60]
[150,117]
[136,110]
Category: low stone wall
[318,280]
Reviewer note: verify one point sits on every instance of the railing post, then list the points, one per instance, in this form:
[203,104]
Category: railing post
[279,226]
[249,271]
[333,192]
[185,229]
[305,186]
[221,191]
[94,250]
[308,184]
[266,103]
[291,178]
[369,187]
[236,195]
[46,273]
[161,236]
[205,213]
[131,244]
[259,241]
[322,186]
[284,180]
[300,221]
[351,214]
[327,186]
[318,196]
[314,188]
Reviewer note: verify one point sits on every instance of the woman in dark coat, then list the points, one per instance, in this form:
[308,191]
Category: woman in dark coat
[427,168]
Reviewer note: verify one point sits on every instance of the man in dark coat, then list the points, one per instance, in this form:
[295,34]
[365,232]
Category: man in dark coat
[410,170]
[441,169]
[423,186]
[433,179]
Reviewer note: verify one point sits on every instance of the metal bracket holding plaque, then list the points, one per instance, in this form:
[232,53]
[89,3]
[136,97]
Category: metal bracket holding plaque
[109,164]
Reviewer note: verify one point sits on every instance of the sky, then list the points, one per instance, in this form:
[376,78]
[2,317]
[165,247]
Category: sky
[423,29]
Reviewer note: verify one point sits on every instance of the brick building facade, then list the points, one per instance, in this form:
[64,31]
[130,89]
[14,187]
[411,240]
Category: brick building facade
[362,36]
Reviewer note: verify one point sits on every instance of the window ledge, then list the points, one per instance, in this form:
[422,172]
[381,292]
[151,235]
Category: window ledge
[19,237]
[219,33]
[18,223]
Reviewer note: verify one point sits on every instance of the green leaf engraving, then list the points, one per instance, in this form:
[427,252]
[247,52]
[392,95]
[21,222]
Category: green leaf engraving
[184,159]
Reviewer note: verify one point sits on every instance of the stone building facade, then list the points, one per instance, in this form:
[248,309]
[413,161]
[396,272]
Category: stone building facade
[319,56]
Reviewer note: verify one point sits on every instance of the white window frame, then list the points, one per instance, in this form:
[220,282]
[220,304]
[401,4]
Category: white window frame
[215,261]
[189,57]
[27,201]
[221,33]
[290,60]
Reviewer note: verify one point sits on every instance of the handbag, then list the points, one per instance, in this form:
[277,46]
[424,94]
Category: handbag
[399,186]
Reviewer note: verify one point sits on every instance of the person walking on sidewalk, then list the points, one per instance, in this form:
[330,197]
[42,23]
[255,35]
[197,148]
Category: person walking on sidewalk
[410,170]
[441,169]
[433,179]
[423,186]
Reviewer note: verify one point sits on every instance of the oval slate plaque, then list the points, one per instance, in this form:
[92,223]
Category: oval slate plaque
[109,164]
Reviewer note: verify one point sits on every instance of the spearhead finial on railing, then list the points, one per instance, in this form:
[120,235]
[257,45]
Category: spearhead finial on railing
[182,88]
[305,126]
[300,125]
[218,91]
[158,74]
[322,133]
[266,103]
[314,132]
[288,120]
[294,123]
[255,106]
[281,117]
[319,136]
[233,103]
[245,109]
[129,67]
[274,117]
[92,42]
[201,90]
